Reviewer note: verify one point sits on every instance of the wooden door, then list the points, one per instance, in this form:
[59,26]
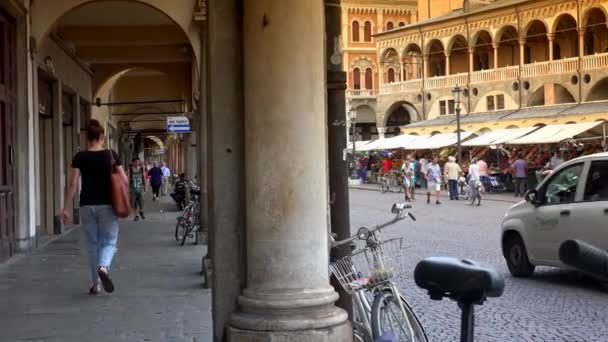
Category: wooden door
[8,72]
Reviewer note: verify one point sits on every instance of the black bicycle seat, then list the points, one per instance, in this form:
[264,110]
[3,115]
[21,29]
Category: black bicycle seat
[458,279]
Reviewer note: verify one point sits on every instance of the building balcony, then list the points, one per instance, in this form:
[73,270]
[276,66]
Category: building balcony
[510,73]
[361,93]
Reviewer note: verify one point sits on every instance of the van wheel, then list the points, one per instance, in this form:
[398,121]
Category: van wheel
[517,257]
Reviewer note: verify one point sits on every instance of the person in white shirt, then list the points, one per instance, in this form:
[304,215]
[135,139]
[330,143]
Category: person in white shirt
[474,182]
[166,176]
[556,161]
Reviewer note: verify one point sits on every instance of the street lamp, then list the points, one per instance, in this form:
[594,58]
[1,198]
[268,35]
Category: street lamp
[352,117]
[456,93]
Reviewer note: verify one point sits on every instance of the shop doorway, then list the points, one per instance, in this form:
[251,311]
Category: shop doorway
[8,80]
[46,166]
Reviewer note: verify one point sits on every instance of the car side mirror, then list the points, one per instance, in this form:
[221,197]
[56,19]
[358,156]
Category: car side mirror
[531,197]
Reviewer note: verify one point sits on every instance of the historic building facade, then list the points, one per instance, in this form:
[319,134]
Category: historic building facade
[518,63]
[361,20]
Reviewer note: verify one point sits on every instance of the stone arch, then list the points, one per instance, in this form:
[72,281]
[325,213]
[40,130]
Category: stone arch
[533,23]
[435,133]
[158,141]
[484,130]
[365,113]
[436,58]
[561,95]
[512,127]
[565,41]
[596,30]
[483,52]
[400,114]
[537,43]
[390,61]
[455,40]
[412,61]
[46,14]
[599,91]
[507,39]
[363,62]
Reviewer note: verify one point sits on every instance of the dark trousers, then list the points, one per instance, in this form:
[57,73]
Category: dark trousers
[156,189]
[520,185]
[453,189]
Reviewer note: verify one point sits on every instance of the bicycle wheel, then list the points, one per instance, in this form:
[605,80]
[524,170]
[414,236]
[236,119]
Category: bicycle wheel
[179,229]
[360,333]
[385,187]
[387,317]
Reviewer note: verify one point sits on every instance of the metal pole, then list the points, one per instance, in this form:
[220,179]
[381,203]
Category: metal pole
[355,174]
[459,146]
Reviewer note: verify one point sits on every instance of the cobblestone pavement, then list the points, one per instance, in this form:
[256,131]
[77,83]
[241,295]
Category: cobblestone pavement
[553,305]
[159,296]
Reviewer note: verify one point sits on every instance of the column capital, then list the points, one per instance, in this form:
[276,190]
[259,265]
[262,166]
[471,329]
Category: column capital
[550,36]
[581,31]
[471,49]
[447,53]
[381,132]
[522,41]
[495,46]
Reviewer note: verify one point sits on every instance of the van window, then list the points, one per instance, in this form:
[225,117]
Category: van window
[596,188]
[562,186]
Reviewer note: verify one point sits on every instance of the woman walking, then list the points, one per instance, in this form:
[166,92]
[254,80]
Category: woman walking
[156,180]
[98,220]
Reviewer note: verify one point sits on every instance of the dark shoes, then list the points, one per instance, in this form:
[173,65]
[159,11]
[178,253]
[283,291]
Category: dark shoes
[437,202]
[95,289]
[107,283]
[141,214]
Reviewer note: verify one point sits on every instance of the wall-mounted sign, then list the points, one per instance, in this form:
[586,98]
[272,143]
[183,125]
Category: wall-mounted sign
[178,124]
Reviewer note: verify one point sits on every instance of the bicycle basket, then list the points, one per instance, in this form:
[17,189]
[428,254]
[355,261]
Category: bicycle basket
[371,266]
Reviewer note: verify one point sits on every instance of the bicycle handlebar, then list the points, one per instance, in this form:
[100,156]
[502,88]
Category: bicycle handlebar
[363,233]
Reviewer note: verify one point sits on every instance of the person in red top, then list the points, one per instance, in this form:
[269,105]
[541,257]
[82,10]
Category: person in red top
[387,165]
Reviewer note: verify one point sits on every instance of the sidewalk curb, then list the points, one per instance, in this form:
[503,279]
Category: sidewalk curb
[487,198]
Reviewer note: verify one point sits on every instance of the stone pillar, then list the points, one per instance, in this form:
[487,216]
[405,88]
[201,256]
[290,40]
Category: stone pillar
[495,47]
[551,39]
[522,47]
[381,75]
[224,89]
[581,42]
[76,123]
[381,20]
[402,71]
[425,66]
[447,63]
[287,296]
[381,132]
[471,59]
[58,174]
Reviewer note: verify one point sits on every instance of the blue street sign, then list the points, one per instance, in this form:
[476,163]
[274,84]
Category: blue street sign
[178,124]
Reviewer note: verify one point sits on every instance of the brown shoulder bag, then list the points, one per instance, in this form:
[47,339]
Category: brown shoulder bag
[120,192]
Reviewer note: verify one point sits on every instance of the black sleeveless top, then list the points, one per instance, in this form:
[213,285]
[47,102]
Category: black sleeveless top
[95,170]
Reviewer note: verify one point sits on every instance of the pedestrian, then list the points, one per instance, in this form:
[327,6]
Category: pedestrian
[414,167]
[433,180]
[97,218]
[166,176]
[387,165]
[474,182]
[136,188]
[520,175]
[406,171]
[156,180]
[147,168]
[452,172]
[556,160]
[484,174]
[423,165]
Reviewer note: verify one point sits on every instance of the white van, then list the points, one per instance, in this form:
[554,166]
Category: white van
[571,203]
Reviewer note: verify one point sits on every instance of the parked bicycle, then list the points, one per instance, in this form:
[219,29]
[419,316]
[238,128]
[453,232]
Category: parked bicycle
[188,221]
[368,274]
[380,311]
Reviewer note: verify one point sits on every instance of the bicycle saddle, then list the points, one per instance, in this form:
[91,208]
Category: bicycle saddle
[461,280]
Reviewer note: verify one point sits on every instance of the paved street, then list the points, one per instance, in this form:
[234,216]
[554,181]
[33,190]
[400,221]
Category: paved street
[553,305]
[159,296]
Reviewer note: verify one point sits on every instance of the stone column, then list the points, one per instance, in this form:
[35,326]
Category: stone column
[287,295]
[425,66]
[58,155]
[381,75]
[447,63]
[402,71]
[381,132]
[76,123]
[550,38]
[381,20]
[522,47]
[471,59]
[581,42]
[495,47]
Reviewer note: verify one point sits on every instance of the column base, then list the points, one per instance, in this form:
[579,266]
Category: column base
[339,333]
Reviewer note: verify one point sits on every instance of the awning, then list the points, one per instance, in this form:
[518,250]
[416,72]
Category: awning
[437,141]
[358,145]
[370,146]
[499,136]
[400,141]
[554,133]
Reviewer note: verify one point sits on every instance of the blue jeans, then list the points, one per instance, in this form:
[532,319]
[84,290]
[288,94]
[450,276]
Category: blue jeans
[100,228]
[453,189]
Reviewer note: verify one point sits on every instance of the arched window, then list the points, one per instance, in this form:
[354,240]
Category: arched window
[367,32]
[355,31]
[356,78]
[390,26]
[369,78]
[391,75]
[401,24]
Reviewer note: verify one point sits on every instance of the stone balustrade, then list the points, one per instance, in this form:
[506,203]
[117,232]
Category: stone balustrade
[494,75]
[363,92]
[597,61]
[446,81]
